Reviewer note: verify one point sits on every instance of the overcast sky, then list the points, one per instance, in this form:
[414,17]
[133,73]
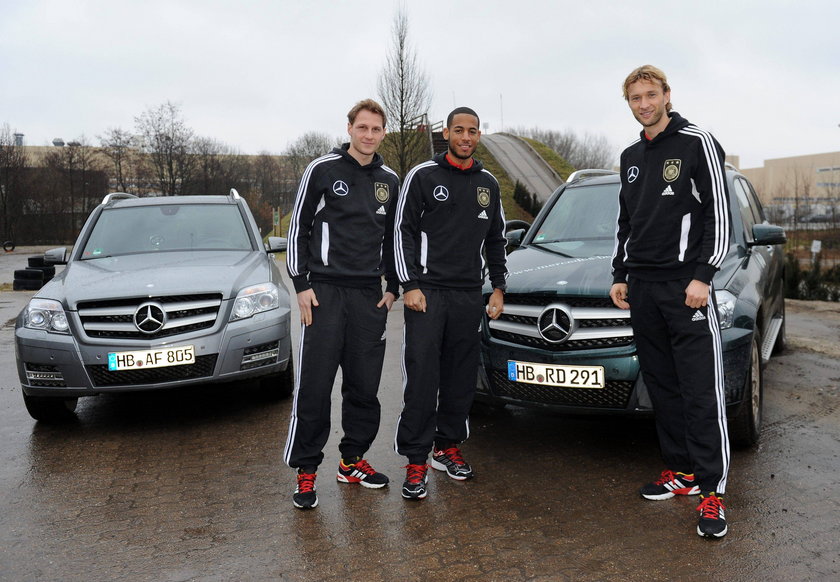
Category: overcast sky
[763,76]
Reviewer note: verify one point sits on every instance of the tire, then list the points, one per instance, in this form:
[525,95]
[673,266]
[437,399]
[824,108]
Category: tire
[27,284]
[745,428]
[31,274]
[47,270]
[36,261]
[50,408]
[280,385]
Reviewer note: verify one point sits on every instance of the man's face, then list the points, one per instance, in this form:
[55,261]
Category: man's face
[462,135]
[647,101]
[366,132]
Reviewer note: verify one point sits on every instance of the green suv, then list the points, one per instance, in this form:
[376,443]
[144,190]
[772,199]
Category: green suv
[562,344]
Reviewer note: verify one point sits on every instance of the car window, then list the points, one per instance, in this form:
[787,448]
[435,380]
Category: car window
[755,202]
[166,227]
[581,223]
[745,209]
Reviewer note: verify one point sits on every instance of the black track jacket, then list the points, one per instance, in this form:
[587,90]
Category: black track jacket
[445,218]
[342,223]
[673,219]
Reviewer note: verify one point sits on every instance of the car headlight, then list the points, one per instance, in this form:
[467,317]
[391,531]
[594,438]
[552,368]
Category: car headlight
[726,308]
[255,299]
[46,315]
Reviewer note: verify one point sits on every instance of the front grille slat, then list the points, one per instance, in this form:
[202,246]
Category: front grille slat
[598,323]
[115,318]
[616,394]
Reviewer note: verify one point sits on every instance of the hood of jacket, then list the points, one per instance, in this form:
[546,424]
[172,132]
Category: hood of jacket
[344,152]
[441,161]
[677,123]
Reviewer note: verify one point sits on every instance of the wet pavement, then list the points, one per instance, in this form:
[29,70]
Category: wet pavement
[190,485]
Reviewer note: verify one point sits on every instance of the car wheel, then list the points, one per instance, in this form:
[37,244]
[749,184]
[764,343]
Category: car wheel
[781,339]
[50,408]
[281,385]
[746,426]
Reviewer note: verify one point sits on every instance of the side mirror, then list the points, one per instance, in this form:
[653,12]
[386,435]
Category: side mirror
[56,256]
[277,244]
[768,234]
[514,237]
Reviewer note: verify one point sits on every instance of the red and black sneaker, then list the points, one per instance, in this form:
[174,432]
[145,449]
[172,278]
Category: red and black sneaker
[712,522]
[414,486]
[668,485]
[451,461]
[360,471]
[305,496]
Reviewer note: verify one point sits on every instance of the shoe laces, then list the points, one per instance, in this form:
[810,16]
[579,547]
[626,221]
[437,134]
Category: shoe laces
[306,482]
[711,507]
[416,473]
[363,466]
[454,453]
[666,477]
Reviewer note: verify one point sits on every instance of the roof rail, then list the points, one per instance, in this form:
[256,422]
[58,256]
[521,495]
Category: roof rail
[234,194]
[730,166]
[117,196]
[578,174]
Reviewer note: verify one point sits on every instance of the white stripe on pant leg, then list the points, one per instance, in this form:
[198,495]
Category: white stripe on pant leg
[287,453]
[405,382]
[720,390]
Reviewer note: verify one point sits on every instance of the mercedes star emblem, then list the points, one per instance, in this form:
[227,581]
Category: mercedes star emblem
[632,173]
[150,318]
[440,193]
[555,324]
[340,188]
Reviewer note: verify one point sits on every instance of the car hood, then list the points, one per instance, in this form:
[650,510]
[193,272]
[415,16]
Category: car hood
[534,270]
[188,272]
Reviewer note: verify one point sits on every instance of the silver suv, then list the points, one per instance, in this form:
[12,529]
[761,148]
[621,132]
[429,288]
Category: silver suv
[157,292]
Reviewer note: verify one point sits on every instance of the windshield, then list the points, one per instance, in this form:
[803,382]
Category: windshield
[167,227]
[581,223]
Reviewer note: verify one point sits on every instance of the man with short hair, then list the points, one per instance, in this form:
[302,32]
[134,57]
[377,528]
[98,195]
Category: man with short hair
[340,246]
[449,212]
[672,236]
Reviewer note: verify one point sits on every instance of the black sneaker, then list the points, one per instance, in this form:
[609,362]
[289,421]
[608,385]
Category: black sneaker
[305,496]
[668,485]
[451,461]
[414,486]
[360,472]
[712,518]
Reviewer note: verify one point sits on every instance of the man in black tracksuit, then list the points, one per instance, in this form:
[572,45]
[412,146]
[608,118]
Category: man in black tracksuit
[673,234]
[340,246]
[449,212]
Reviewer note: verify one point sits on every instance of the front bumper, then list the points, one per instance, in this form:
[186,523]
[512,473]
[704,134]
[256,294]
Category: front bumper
[625,391]
[61,365]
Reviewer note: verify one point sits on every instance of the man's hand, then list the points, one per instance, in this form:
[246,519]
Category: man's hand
[387,300]
[697,294]
[306,301]
[618,294]
[496,304]
[415,300]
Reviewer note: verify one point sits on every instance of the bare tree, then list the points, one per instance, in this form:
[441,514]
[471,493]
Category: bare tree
[119,146]
[305,149]
[165,137]
[12,166]
[405,94]
[587,151]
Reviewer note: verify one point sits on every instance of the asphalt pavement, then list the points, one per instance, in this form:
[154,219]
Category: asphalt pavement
[189,485]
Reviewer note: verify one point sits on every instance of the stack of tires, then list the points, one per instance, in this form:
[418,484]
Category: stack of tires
[33,276]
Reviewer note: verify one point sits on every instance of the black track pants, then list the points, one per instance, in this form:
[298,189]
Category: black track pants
[680,355]
[440,366]
[347,330]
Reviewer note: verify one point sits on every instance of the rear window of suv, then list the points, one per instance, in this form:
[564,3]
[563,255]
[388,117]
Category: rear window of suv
[167,227]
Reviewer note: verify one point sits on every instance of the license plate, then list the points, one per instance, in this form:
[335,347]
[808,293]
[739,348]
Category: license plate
[562,376]
[175,356]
